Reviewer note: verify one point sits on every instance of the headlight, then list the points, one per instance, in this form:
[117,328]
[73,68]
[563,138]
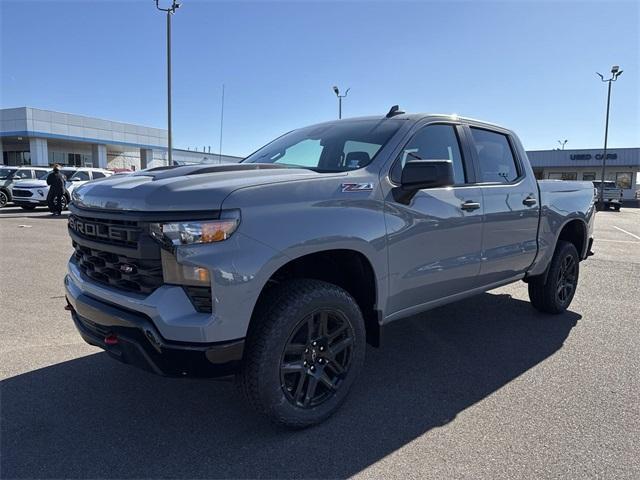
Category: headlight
[193,232]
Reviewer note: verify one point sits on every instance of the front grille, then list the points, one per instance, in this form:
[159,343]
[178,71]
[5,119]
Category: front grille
[21,193]
[124,233]
[119,271]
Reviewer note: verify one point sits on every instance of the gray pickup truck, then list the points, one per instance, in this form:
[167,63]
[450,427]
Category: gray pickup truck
[280,269]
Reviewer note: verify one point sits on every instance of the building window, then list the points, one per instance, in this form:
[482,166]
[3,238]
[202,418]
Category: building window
[589,176]
[563,176]
[16,159]
[623,179]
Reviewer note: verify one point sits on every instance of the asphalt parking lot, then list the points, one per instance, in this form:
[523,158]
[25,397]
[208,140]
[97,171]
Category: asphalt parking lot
[485,388]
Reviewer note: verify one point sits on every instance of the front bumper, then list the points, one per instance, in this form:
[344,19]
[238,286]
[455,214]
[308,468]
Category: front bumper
[131,338]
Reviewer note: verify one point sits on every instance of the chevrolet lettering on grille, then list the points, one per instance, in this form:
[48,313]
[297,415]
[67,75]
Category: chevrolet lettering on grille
[101,230]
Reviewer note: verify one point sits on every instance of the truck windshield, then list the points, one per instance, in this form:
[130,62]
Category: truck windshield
[330,147]
[6,173]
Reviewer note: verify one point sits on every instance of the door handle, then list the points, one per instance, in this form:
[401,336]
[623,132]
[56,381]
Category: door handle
[529,201]
[470,206]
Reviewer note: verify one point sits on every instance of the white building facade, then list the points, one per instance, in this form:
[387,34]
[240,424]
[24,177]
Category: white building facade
[622,166]
[31,136]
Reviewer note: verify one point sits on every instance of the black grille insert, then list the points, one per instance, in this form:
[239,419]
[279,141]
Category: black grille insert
[119,271]
[16,192]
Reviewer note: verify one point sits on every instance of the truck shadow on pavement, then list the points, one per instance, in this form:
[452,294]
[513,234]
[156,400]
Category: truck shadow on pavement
[92,417]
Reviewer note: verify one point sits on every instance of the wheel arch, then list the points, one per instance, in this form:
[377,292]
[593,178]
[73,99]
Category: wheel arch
[347,268]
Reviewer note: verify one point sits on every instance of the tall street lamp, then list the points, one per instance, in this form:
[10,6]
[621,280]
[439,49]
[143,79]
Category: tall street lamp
[563,143]
[340,97]
[615,73]
[170,11]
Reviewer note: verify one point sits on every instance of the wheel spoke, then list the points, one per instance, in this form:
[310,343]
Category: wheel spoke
[311,389]
[323,324]
[324,378]
[292,367]
[335,366]
[310,329]
[298,396]
[341,345]
[337,332]
[295,349]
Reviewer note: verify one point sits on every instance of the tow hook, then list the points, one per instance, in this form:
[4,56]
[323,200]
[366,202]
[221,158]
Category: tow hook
[68,307]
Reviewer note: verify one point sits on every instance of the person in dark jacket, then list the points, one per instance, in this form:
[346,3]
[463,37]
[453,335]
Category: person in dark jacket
[55,180]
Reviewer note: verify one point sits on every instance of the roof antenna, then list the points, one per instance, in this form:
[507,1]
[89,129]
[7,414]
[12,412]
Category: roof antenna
[395,110]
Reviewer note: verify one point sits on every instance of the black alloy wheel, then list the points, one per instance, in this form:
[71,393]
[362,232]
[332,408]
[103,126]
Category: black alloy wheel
[316,358]
[4,199]
[566,281]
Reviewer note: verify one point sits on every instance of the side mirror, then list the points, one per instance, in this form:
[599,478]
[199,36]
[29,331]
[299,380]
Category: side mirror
[76,179]
[419,174]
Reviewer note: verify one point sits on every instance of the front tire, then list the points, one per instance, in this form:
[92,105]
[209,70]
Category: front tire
[556,293]
[304,352]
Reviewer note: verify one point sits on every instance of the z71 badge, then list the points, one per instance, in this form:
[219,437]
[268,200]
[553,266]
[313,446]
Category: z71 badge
[357,187]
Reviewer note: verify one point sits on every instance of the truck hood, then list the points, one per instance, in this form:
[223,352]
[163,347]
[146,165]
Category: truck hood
[187,188]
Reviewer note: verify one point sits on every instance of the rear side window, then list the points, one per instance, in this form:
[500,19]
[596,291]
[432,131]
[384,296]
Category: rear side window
[435,142]
[98,175]
[495,158]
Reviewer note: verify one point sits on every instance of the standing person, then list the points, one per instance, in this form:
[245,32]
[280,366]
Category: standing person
[55,180]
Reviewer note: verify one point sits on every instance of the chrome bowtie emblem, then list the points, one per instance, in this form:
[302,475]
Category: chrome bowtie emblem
[126,268]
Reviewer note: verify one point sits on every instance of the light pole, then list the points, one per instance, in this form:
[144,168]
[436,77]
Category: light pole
[340,97]
[615,73]
[170,11]
[563,143]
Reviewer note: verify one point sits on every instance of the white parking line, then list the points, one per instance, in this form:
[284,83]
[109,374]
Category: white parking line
[628,233]
[615,241]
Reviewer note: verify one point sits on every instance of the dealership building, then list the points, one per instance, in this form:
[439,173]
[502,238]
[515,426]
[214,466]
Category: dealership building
[622,166]
[32,136]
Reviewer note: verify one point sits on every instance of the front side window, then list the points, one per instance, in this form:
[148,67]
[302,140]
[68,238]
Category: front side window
[495,157]
[434,142]
[6,173]
[331,147]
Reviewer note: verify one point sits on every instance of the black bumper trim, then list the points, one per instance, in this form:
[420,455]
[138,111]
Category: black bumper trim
[141,345]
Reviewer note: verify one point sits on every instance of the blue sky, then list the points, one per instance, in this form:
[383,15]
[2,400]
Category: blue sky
[527,65]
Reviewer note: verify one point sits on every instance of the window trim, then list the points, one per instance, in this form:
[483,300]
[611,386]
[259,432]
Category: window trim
[514,153]
[467,166]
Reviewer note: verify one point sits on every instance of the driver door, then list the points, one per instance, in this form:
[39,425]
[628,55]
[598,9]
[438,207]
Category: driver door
[434,242]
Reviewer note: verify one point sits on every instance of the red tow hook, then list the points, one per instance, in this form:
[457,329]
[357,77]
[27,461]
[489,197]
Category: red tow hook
[111,339]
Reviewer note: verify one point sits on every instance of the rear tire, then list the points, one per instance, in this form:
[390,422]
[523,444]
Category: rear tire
[4,199]
[616,207]
[303,353]
[556,293]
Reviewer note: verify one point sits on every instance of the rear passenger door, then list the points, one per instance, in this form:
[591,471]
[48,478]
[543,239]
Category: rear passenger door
[511,205]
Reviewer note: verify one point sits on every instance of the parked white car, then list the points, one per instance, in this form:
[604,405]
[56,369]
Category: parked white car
[10,175]
[30,194]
